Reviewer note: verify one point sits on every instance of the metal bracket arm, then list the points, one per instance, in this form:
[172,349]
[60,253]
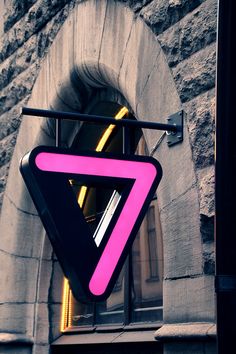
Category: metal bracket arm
[174,130]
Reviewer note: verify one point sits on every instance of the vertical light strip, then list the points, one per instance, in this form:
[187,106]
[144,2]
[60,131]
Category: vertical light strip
[70,309]
[65,305]
[66,317]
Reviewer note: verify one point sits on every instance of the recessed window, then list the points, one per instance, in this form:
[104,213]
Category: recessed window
[137,294]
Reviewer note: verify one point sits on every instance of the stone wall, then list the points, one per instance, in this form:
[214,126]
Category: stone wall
[186,31]
[29,30]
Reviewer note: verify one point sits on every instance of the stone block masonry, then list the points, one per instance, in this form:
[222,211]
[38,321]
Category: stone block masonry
[185,29]
[186,32]
[29,30]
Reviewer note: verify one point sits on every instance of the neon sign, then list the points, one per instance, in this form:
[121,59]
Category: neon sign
[91,262]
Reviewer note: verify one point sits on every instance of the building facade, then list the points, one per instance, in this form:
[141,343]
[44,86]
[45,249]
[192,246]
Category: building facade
[155,58]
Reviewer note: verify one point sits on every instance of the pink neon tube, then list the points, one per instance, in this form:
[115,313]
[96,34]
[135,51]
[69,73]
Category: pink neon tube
[143,173]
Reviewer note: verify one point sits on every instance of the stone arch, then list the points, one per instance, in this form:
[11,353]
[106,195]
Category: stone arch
[102,45]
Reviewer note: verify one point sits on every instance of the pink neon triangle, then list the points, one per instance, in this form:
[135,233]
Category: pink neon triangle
[143,173]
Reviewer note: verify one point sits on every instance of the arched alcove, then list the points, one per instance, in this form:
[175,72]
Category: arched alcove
[102,49]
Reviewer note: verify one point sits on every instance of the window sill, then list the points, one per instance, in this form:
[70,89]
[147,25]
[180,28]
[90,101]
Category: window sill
[105,335]
[15,339]
[198,331]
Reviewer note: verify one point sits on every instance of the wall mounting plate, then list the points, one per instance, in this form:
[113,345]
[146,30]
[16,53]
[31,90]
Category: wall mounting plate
[177,136]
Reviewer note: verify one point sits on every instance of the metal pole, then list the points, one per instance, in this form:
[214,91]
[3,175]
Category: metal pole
[100,119]
[58,132]
[225,234]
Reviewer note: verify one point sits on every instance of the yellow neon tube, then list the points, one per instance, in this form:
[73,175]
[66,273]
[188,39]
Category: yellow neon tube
[65,305]
[102,142]
[122,112]
[66,317]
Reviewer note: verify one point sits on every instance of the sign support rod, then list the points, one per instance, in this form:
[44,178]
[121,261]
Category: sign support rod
[175,128]
[58,132]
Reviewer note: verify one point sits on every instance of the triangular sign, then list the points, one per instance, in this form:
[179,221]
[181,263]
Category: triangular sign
[91,268]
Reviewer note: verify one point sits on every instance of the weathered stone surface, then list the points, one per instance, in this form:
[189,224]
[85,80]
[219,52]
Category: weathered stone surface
[207,228]
[10,120]
[6,148]
[18,62]
[181,236]
[42,323]
[91,17]
[116,33]
[16,189]
[161,14]
[3,174]
[157,99]
[153,95]
[41,349]
[29,230]
[178,159]
[201,126]
[187,37]
[136,5]
[51,282]
[186,331]
[189,300]
[32,48]
[49,32]
[196,75]
[136,69]
[206,183]
[17,318]
[18,89]
[23,279]
[209,251]
[55,319]
[206,179]
[37,17]
[1,195]
[201,114]
[3,180]
[56,283]
[15,10]
[45,278]
[10,338]
[47,254]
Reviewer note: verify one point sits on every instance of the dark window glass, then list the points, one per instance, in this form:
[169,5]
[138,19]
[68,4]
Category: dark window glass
[81,314]
[152,244]
[147,271]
